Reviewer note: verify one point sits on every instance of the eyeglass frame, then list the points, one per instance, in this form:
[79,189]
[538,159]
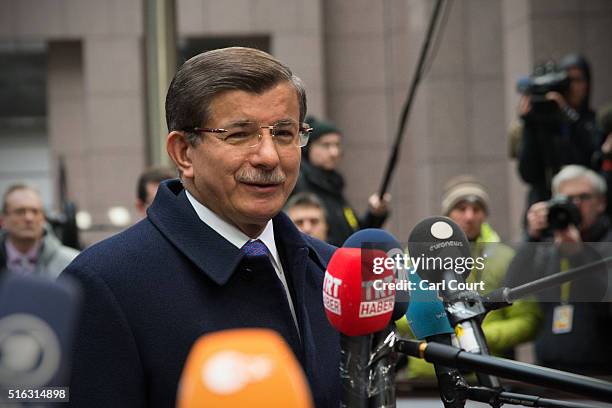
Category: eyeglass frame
[583,197]
[304,131]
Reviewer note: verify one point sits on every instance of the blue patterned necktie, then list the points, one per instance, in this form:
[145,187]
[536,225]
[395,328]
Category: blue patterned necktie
[255,249]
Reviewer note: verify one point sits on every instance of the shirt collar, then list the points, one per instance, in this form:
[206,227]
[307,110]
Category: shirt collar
[230,232]
[13,254]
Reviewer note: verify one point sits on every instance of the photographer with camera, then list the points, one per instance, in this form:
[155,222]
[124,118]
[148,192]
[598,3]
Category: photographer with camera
[558,123]
[577,319]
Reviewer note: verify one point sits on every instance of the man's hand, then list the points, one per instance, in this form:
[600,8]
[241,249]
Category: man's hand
[557,97]
[524,106]
[606,147]
[568,240]
[537,219]
[377,206]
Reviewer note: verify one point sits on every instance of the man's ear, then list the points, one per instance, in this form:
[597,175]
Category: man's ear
[179,150]
[603,204]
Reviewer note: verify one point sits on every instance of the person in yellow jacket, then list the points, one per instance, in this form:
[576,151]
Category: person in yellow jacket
[466,202]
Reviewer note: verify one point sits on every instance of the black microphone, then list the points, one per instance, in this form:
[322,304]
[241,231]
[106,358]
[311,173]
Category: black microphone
[442,251]
[38,319]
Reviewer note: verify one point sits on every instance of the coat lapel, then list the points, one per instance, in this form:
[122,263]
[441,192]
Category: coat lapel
[172,214]
[298,254]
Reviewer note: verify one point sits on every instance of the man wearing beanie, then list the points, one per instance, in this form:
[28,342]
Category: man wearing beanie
[318,175]
[466,202]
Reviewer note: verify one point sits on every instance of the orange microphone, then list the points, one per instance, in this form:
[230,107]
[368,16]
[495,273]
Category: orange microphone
[242,368]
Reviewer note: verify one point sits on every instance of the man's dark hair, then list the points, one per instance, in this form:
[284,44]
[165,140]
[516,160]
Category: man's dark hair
[203,77]
[304,199]
[152,175]
[12,188]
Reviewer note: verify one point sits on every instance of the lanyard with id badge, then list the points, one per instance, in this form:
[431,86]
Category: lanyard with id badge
[563,314]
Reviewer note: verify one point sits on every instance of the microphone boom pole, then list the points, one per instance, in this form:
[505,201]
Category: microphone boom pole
[416,78]
[542,376]
[505,296]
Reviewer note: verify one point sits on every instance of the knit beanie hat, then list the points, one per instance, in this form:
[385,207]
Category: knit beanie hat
[464,188]
[319,129]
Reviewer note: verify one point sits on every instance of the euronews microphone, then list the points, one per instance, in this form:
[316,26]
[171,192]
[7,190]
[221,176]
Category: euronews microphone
[38,319]
[439,241]
[242,368]
[356,309]
[428,321]
[382,390]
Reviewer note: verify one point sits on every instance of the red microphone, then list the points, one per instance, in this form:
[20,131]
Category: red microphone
[357,303]
[243,368]
[356,295]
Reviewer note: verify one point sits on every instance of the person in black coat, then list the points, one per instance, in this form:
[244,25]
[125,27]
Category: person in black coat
[565,135]
[235,119]
[318,175]
[577,315]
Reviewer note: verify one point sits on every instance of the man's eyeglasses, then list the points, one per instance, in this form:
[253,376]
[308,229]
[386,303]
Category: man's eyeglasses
[22,211]
[579,198]
[249,134]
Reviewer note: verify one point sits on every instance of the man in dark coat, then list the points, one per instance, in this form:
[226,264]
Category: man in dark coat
[235,119]
[319,176]
[577,316]
[565,135]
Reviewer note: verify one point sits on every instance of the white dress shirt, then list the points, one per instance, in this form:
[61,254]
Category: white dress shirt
[239,238]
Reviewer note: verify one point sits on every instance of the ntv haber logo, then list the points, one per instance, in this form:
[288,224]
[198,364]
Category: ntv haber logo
[376,302]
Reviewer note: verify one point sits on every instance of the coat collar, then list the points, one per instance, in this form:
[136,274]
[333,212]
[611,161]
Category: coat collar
[172,214]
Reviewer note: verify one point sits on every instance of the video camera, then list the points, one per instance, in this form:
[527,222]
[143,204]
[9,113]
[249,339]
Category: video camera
[547,77]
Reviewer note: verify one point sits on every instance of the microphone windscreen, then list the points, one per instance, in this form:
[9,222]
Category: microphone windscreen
[38,319]
[426,314]
[376,238]
[437,240]
[242,368]
[354,296]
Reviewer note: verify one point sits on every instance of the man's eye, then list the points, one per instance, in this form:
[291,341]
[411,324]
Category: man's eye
[237,137]
[284,135]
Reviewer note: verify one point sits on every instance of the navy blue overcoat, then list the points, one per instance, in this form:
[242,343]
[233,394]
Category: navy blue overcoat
[151,291]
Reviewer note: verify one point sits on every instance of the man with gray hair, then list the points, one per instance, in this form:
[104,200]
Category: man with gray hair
[215,251]
[577,318]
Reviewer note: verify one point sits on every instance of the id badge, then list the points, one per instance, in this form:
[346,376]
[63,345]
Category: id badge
[563,319]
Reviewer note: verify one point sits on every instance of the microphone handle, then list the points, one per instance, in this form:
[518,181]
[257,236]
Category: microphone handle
[382,391]
[354,370]
[451,384]
[464,311]
[472,327]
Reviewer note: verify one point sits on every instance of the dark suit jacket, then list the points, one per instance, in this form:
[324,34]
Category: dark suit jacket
[154,289]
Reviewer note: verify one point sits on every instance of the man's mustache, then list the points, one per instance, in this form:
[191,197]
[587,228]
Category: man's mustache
[258,176]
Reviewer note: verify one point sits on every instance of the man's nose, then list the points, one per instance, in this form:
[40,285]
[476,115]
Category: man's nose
[306,226]
[265,154]
[334,150]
